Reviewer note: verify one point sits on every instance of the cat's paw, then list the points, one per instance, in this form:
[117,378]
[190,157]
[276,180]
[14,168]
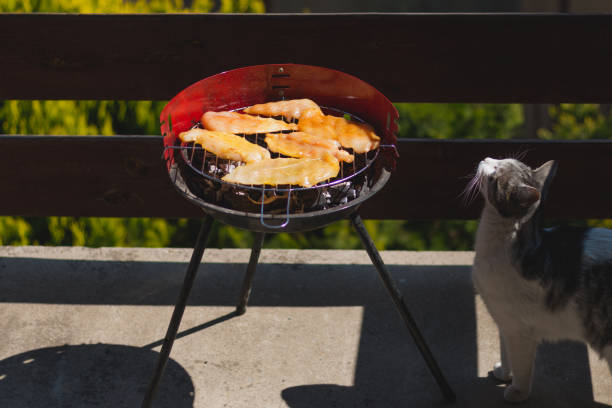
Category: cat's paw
[515,395]
[500,373]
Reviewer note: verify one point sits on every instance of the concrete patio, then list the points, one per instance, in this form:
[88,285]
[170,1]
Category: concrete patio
[83,327]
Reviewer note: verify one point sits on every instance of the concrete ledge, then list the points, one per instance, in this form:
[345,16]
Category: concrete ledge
[215,255]
[82,327]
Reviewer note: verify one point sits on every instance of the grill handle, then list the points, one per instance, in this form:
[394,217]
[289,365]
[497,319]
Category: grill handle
[261,213]
[390,156]
[392,147]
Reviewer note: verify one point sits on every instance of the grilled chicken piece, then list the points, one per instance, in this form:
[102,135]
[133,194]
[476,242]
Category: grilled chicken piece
[234,122]
[357,136]
[300,144]
[291,109]
[226,145]
[303,172]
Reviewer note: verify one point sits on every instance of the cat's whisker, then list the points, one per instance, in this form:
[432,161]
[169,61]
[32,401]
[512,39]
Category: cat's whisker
[470,192]
[467,192]
[520,154]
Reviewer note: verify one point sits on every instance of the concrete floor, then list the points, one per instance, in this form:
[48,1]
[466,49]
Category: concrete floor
[83,327]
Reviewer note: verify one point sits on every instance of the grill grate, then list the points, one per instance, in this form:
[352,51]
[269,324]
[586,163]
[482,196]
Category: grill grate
[274,199]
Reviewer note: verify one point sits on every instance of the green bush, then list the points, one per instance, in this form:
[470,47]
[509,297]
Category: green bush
[577,121]
[460,120]
[130,6]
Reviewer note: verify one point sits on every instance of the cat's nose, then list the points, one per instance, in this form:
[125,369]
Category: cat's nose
[488,166]
[491,162]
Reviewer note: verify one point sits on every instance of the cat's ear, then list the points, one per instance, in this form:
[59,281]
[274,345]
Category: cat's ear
[526,196]
[545,172]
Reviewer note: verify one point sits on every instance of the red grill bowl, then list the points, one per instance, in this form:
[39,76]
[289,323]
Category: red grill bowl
[239,88]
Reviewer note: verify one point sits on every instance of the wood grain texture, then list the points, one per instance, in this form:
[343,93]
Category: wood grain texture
[124,176]
[408,57]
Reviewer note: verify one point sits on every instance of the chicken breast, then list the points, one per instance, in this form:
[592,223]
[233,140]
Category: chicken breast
[300,144]
[226,145]
[290,109]
[303,172]
[357,136]
[234,122]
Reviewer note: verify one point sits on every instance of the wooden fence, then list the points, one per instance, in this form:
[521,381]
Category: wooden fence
[493,58]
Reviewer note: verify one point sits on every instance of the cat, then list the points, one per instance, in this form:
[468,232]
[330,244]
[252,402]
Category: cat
[537,283]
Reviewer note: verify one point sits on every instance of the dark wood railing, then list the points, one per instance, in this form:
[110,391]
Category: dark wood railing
[522,58]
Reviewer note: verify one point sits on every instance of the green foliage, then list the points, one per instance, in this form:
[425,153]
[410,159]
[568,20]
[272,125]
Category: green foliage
[599,223]
[14,231]
[460,120]
[80,117]
[94,232]
[577,121]
[387,235]
[131,6]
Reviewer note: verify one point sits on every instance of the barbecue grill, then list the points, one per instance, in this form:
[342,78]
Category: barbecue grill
[197,173]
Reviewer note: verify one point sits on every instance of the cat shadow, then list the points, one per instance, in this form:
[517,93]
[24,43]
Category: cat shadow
[390,372]
[90,375]
[562,381]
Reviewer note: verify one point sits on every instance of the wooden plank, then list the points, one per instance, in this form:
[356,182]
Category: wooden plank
[124,176]
[432,175]
[409,57]
[113,176]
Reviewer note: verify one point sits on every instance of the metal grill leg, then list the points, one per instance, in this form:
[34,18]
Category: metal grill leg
[397,297]
[177,315]
[250,273]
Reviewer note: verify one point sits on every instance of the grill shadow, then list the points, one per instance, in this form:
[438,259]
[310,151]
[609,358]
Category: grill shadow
[93,375]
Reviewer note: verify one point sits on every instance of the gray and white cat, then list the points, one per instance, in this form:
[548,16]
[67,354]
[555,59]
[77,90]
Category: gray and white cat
[537,283]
